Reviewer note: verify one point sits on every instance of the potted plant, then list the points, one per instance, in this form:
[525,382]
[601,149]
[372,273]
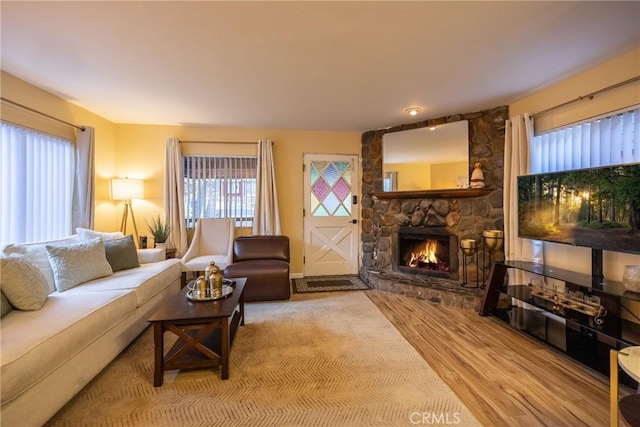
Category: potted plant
[159,230]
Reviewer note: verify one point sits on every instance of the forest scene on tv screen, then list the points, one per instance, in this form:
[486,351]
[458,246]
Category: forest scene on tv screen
[597,208]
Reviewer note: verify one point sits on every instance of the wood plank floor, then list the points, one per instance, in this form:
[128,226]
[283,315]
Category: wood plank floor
[504,377]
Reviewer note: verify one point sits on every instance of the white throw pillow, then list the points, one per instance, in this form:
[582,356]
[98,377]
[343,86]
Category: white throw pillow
[86,234]
[22,283]
[78,263]
[36,254]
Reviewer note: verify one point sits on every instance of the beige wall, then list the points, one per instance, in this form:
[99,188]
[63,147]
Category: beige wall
[137,151]
[140,154]
[619,69]
[609,73]
[105,133]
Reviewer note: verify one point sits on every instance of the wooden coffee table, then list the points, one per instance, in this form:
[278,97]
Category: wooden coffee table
[205,331]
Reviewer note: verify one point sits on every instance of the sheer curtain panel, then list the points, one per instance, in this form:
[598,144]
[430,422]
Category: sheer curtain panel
[267,217]
[36,181]
[174,196]
[84,188]
[518,137]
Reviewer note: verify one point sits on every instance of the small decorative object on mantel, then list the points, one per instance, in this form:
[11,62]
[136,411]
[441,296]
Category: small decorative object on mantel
[631,278]
[477,176]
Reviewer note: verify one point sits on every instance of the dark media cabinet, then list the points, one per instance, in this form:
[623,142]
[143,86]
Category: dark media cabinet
[584,316]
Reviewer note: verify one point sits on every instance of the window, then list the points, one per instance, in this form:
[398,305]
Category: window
[220,187]
[36,181]
[610,140]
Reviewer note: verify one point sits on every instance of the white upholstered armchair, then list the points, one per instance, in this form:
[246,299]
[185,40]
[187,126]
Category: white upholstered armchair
[212,241]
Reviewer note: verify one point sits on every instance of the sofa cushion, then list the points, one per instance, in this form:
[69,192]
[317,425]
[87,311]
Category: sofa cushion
[266,279]
[145,281]
[36,254]
[5,305]
[146,256]
[86,234]
[247,248]
[78,263]
[22,283]
[121,253]
[199,263]
[34,343]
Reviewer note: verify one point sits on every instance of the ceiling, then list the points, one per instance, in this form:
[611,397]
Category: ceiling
[339,66]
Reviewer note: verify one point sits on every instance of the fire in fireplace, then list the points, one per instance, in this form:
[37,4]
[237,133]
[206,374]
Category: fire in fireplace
[426,250]
[427,254]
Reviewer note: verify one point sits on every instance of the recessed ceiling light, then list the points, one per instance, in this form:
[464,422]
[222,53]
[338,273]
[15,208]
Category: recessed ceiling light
[412,111]
[432,128]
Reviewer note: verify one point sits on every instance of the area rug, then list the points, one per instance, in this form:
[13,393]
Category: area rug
[328,284]
[323,359]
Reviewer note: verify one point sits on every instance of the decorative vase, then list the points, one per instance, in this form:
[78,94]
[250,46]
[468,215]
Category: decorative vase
[468,246]
[493,239]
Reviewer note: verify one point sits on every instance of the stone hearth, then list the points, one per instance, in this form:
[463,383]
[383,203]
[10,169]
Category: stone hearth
[465,217]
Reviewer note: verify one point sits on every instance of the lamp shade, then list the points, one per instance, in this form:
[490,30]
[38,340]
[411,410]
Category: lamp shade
[125,189]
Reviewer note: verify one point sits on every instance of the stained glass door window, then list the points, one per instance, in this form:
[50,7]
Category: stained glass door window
[330,188]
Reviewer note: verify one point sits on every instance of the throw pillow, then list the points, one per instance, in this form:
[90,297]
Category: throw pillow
[86,234]
[121,253]
[5,305]
[22,283]
[36,254]
[78,263]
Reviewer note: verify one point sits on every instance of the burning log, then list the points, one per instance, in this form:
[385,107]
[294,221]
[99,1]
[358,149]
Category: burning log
[427,258]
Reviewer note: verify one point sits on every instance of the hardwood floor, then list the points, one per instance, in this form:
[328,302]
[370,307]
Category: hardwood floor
[504,377]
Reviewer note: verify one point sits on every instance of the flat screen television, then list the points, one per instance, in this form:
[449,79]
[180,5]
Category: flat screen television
[597,207]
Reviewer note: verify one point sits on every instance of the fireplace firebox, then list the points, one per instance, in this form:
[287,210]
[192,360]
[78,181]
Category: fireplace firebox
[430,251]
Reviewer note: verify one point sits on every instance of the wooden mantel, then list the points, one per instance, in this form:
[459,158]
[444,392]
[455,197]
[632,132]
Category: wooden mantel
[454,193]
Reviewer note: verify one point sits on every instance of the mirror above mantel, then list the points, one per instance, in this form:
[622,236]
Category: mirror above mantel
[427,158]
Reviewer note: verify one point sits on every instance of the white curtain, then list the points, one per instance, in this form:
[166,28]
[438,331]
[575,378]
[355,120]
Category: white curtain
[518,137]
[267,216]
[84,180]
[174,197]
[604,141]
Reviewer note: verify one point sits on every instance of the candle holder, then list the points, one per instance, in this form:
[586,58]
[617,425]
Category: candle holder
[493,240]
[469,249]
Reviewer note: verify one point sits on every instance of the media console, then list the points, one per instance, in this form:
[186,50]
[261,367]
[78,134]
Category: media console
[584,316]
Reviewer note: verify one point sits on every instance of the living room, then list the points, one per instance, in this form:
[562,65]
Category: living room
[123,148]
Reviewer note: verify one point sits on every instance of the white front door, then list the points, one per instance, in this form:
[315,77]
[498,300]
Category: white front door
[330,214]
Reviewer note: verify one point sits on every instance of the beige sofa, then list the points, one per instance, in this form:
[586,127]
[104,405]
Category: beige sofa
[50,354]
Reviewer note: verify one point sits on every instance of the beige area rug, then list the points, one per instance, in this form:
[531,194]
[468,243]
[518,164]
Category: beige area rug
[322,359]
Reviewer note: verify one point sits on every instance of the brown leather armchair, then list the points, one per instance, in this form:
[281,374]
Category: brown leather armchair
[264,261]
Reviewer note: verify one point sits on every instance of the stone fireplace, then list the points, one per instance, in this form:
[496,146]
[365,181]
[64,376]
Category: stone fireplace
[460,214]
[431,251]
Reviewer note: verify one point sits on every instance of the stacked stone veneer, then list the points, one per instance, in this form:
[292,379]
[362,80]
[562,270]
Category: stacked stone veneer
[465,217]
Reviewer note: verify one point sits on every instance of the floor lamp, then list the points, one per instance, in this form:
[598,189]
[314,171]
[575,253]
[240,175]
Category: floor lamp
[126,189]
